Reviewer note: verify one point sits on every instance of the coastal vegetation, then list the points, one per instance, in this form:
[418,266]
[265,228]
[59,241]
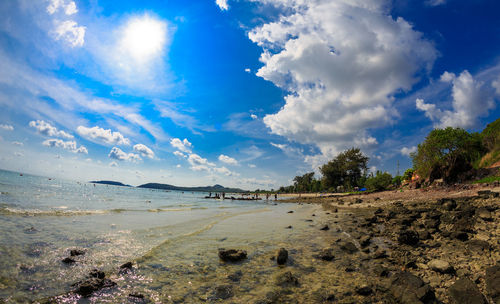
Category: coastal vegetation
[449,155]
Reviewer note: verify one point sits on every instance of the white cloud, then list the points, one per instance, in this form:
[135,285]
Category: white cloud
[252,165]
[330,56]
[228,160]
[199,163]
[182,145]
[113,164]
[496,85]
[222,4]
[17,143]
[144,151]
[107,136]
[6,127]
[18,154]
[253,116]
[225,171]
[118,154]
[180,154]
[435,2]
[407,151]
[47,129]
[71,32]
[67,145]
[69,7]
[470,101]
[247,70]
[288,150]
[178,166]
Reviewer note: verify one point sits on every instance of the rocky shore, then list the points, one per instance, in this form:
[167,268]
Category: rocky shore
[427,249]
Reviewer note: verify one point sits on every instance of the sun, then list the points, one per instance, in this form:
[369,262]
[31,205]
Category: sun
[144,37]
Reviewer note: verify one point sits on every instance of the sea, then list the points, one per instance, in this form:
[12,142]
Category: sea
[171,237]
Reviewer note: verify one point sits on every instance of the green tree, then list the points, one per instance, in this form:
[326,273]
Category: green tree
[347,169]
[381,181]
[408,174]
[304,183]
[491,135]
[446,153]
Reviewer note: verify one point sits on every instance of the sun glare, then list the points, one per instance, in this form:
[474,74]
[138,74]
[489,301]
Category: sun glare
[144,38]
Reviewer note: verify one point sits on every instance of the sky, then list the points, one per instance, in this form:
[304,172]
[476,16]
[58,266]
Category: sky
[243,93]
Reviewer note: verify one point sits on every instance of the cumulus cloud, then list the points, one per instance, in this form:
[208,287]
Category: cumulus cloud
[107,136]
[253,116]
[247,70]
[71,32]
[68,7]
[252,165]
[228,160]
[225,171]
[408,151]
[144,151]
[470,101]
[199,163]
[47,129]
[342,62]
[182,145]
[180,154]
[118,154]
[17,143]
[222,4]
[6,127]
[178,166]
[67,145]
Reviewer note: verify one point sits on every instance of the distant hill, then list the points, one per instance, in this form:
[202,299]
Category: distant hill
[214,188]
[113,183]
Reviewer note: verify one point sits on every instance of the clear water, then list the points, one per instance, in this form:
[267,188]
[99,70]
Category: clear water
[171,237]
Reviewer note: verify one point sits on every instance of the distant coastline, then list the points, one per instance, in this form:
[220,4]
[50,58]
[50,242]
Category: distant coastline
[214,188]
[113,183]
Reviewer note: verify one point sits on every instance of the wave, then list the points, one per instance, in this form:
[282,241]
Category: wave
[176,209]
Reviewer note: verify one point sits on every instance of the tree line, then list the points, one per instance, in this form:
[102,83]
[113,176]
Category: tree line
[449,154]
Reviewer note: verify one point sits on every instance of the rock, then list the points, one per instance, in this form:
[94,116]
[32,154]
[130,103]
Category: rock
[235,277]
[286,279]
[76,252]
[324,228]
[408,288]
[30,230]
[493,282]
[380,271]
[222,292]
[365,240]
[358,201]
[484,214]
[127,265]
[282,256]
[440,266]
[232,255]
[95,273]
[326,254]
[68,261]
[464,291]
[448,204]
[290,211]
[459,235]
[288,227]
[484,193]
[424,234]
[379,254]
[478,245]
[348,247]
[408,237]
[364,290]
[87,287]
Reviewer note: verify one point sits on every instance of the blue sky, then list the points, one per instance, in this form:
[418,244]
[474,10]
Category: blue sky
[240,93]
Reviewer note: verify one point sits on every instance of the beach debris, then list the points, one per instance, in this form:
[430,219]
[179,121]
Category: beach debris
[232,255]
[282,256]
[465,291]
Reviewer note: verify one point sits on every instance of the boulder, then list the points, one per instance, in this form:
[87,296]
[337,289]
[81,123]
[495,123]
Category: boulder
[87,287]
[440,266]
[407,288]
[232,255]
[493,282]
[364,290]
[464,291]
[76,252]
[484,214]
[68,261]
[282,256]
[408,237]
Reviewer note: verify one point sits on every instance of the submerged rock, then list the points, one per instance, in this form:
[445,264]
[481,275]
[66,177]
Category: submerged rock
[286,279]
[222,292]
[364,290]
[76,252]
[232,255]
[348,247]
[89,286]
[282,256]
[68,261]
[326,254]
[408,237]
[408,288]
[464,291]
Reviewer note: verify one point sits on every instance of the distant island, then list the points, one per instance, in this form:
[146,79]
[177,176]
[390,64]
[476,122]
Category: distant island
[214,188]
[113,183]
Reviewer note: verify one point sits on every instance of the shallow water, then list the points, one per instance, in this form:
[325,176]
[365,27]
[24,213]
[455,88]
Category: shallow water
[172,238]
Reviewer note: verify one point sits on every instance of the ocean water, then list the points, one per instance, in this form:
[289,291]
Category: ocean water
[171,237]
